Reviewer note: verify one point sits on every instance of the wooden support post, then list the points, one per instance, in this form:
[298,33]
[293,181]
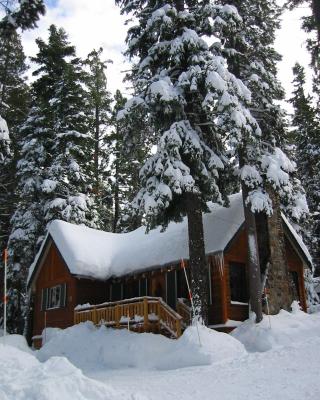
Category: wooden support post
[178,327]
[145,315]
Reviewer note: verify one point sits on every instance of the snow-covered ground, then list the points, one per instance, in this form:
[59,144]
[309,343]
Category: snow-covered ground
[279,358]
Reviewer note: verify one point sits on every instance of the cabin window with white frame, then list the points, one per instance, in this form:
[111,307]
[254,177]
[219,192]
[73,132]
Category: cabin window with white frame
[54,297]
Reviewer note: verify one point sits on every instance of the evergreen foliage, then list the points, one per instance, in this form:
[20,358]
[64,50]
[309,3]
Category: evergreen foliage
[24,15]
[5,187]
[128,157]
[251,56]
[100,113]
[27,221]
[54,177]
[13,99]
[13,108]
[195,107]
[60,91]
[306,138]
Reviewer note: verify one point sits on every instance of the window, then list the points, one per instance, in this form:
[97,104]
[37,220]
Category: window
[238,282]
[54,297]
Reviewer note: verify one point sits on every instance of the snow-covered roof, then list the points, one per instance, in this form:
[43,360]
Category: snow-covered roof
[101,255]
[97,254]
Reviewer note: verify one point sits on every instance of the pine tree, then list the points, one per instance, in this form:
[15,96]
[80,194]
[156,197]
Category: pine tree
[25,16]
[27,221]
[252,58]
[307,117]
[127,160]
[306,137]
[67,184]
[5,162]
[195,106]
[100,106]
[54,167]
[13,108]
[5,187]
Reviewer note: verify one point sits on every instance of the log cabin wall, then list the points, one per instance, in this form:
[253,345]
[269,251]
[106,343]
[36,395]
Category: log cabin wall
[54,272]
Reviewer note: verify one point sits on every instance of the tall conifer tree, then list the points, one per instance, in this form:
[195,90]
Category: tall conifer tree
[53,169]
[13,108]
[127,159]
[25,17]
[195,105]
[100,114]
[306,137]
[252,58]
[59,89]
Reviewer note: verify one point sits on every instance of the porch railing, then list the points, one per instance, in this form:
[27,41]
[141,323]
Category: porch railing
[140,312]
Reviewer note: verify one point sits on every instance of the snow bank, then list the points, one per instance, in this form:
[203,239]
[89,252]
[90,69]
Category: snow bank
[91,348]
[24,377]
[16,341]
[279,330]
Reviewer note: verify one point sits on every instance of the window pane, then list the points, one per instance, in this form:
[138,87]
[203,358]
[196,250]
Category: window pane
[54,297]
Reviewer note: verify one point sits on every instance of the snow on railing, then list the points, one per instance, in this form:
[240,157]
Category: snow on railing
[139,312]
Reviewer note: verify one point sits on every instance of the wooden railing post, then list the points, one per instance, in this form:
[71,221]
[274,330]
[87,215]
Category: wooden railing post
[178,327]
[95,316]
[159,315]
[145,314]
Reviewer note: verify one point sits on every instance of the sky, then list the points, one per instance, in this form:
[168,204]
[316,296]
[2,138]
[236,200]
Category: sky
[94,23]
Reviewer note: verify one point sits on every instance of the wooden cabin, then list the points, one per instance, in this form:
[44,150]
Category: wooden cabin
[114,275]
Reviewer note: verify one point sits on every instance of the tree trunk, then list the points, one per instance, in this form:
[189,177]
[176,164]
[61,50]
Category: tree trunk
[116,199]
[197,259]
[96,147]
[253,258]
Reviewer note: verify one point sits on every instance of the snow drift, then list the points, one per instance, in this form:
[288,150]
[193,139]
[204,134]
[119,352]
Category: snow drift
[23,377]
[279,330]
[91,348]
[142,364]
